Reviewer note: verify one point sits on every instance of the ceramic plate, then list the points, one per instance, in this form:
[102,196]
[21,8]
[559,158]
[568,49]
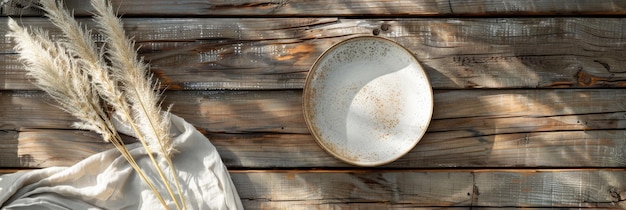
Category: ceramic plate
[367,101]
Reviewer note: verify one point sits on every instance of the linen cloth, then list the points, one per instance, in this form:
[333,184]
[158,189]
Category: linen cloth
[106,180]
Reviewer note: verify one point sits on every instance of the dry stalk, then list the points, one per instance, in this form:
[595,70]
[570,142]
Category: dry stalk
[76,57]
[140,90]
[52,67]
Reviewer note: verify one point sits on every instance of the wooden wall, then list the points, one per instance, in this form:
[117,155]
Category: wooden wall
[530,105]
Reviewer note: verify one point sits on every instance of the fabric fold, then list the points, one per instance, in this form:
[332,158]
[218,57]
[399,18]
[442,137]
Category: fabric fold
[106,180]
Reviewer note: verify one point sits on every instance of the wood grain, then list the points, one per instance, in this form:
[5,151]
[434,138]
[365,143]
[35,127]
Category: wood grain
[468,112]
[401,8]
[400,189]
[600,148]
[497,188]
[265,53]
[47,148]
[470,128]
[530,110]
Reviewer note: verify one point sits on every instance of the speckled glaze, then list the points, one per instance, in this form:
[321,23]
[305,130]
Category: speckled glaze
[367,101]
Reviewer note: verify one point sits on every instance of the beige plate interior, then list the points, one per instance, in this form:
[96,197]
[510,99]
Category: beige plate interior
[367,101]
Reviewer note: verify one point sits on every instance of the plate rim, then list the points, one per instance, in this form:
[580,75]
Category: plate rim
[306,99]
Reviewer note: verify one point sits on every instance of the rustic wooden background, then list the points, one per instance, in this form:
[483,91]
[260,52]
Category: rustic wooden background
[530,105]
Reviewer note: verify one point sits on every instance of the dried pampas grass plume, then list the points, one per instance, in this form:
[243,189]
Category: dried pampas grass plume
[124,84]
[52,66]
[137,83]
[105,80]
[83,48]
[136,80]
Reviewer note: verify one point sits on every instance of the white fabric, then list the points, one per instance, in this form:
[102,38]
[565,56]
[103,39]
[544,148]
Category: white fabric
[106,181]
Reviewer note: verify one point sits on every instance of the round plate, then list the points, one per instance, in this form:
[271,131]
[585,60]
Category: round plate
[367,101]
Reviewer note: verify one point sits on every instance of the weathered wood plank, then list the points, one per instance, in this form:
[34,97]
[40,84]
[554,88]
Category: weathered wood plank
[257,53]
[382,205]
[497,188]
[471,112]
[470,128]
[47,148]
[599,148]
[339,8]
[438,150]
[9,150]
[536,7]
[251,7]
[330,189]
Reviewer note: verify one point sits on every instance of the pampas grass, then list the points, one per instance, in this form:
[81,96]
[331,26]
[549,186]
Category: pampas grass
[124,84]
[52,67]
[137,83]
